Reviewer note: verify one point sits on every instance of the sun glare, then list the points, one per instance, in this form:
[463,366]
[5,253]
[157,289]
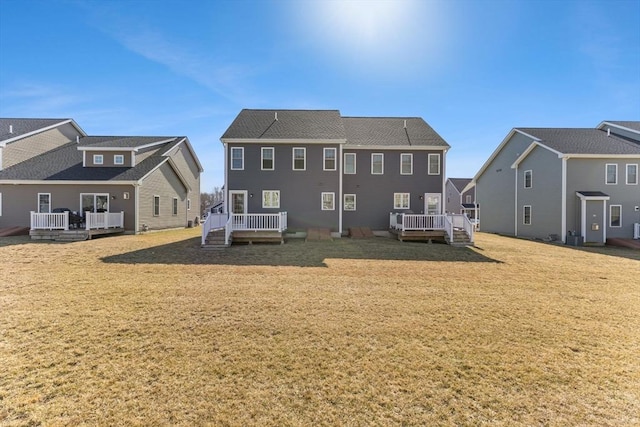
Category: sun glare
[379,34]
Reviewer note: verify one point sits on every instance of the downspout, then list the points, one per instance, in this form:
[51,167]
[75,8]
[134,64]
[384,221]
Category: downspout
[340,198]
[136,202]
[225,193]
[444,182]
[515,213]
[563,214]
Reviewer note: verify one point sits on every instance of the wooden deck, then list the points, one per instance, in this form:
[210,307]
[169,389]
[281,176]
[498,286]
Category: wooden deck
[419,235]
[72,235]
[250,237]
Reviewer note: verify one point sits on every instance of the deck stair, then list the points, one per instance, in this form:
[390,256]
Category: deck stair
[215,239]
[460,238]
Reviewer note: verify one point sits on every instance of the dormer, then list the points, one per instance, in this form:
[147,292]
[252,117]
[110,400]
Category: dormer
[117,152]
[108,158]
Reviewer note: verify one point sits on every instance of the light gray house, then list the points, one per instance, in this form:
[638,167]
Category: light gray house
[575,185]
[461,197]
[134,183]
[333,172]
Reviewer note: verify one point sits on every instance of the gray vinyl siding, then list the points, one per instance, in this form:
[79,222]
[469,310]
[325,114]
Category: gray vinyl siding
[23,149]
[544,197]
[623,133]
[375,193]
[165,183]
[453,199]
[18,200]
[495,188]
[300,191]
[589,175]
[190,171]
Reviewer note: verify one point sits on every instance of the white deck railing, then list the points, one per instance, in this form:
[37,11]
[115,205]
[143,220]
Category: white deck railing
[104,220]
[244,222]
[417,222]
[213,221]
[463,222]
[50,221]
[60,221]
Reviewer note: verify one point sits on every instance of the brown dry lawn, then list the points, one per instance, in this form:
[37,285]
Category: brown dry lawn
[151,330]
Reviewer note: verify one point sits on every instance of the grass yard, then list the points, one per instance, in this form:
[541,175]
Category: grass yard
[151,330]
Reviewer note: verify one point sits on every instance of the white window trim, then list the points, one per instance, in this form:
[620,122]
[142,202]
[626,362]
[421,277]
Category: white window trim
[96,157]
[468,198]
[627,171]
[524,215]
[275,206]
[354,163]
[333,201]
[273,158]
[611,217]
[241,168]
[304,158]
[118,156]
[408,199]
[153,206]
[38,201]
[382,163]
[429,171]
[524,180]
[354,202]
[324,158]
[410,163]
[606,174]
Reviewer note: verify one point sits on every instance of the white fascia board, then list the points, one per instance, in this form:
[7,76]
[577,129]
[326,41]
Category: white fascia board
[603,125]
[175,169]
[468,187]
[52,182]
[529,149]
[601,156]
[397,148]
[583,197]
[44,129]
[295,141]
[191,150]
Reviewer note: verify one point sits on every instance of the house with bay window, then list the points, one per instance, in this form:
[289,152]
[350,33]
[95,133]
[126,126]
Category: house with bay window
[317,169]
[575,185]
[64,184]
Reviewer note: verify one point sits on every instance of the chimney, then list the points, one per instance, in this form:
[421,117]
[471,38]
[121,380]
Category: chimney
[10,128]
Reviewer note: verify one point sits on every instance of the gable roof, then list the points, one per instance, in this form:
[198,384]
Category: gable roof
[582,141]
[65,164]
[286,124]
[12,129]
[395,131]
[630,125]
[460,183]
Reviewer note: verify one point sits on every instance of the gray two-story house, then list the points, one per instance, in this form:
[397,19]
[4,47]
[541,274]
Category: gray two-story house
[329,171]
[571,184]
[51,166]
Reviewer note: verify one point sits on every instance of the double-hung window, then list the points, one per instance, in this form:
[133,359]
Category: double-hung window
[237,158]
[526,215]
[328,201]
[44,202]
[434,164]
[349,202]
[270,199]
[267,158]
[406,164]
[118,159]
[98,159]
[528,179]
[349,163]
[615,216]
[401,201]
[299,158]
[377,163]
[612,174]
[632,174]
[329,162]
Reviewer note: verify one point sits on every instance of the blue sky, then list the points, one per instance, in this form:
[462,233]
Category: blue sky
[472,69]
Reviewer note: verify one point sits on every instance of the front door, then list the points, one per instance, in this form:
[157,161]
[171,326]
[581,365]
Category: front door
[432,203]
[238,205]
[594,225]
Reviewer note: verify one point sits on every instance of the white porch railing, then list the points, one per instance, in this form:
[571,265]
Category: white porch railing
[104,220]
[244,222]
[49,221]
[417,222]
[463,222]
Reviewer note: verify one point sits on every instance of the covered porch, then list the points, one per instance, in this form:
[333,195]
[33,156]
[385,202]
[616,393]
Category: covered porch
[68,226]
[221,229]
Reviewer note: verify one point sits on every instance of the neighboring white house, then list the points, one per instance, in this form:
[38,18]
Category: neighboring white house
[571,184]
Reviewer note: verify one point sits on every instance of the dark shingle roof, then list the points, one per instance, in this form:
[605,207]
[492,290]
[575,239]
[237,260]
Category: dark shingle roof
[290,124]
[460,183]
[582,141]
[385,131]
[65,163]
[122,141]
[627,124]
[20,126]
